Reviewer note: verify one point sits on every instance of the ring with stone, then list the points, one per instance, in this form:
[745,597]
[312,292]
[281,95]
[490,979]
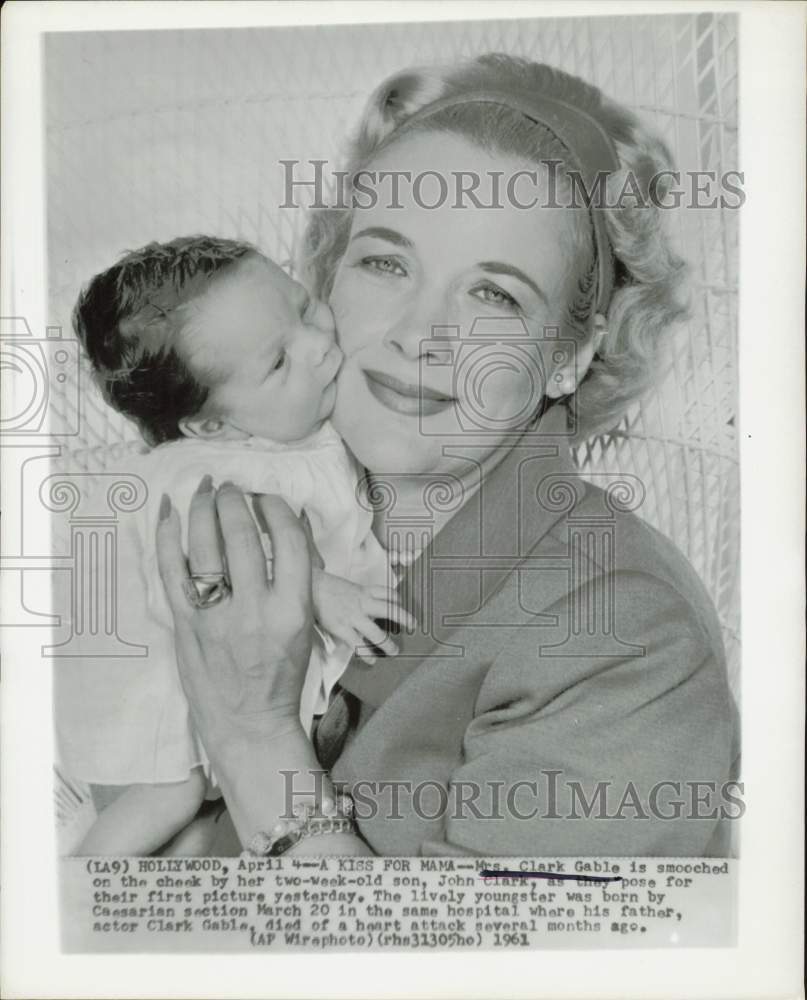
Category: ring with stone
[205,590]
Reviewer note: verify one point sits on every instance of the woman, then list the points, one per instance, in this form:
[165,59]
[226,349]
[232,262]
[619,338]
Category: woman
[568,670]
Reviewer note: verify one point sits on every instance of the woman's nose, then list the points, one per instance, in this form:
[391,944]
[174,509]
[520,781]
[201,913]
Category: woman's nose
[417,328]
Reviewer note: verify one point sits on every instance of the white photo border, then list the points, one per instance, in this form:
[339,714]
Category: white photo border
[766,960]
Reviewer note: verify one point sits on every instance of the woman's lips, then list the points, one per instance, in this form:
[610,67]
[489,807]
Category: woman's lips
[404,397]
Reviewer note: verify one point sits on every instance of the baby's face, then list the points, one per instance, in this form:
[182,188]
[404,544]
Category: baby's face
[269,348]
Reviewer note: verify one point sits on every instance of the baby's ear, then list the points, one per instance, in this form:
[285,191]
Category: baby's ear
[210,429]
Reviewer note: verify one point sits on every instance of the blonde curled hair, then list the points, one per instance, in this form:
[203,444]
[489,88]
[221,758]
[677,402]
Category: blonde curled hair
[649,274]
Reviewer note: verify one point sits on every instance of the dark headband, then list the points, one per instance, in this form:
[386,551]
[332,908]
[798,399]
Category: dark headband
[588,144]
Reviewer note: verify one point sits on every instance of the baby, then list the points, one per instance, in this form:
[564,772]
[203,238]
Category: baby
[228,367]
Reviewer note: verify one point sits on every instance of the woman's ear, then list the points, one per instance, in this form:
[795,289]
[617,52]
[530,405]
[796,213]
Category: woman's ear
[210,429]
[574,363]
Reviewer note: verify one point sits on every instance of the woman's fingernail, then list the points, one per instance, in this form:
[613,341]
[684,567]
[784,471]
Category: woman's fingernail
[260,517]
[228,484]
[165,507]
[205,485]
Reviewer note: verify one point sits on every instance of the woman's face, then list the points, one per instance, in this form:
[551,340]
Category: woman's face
[418,375]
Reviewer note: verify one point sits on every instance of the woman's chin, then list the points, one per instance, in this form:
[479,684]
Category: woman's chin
[377,439]
[396,459]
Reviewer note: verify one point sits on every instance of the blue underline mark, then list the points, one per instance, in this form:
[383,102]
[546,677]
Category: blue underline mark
[504,873]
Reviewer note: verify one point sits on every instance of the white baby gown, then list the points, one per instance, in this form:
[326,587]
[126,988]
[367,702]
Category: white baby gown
[125,720]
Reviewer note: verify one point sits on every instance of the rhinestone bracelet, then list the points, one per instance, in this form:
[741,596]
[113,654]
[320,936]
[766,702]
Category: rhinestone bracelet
[332,816]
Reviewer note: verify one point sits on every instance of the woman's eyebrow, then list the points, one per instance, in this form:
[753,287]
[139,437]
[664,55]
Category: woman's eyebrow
[499,267]
[382,233]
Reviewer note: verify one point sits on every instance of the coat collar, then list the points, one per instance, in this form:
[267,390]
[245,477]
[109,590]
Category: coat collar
[503,519]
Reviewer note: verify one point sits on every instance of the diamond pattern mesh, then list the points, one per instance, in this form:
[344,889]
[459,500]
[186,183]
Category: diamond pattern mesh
[152,135]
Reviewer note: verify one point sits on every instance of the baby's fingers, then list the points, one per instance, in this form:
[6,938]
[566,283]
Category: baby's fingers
[400,615]
[379,638]
[358,645]
[346,634]
[393,612]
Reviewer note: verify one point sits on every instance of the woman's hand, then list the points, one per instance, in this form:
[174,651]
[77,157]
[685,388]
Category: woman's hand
[242,662]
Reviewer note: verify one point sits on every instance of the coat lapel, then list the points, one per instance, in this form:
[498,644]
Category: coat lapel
[470,558]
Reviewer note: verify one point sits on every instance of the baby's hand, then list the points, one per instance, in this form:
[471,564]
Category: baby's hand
[349,612]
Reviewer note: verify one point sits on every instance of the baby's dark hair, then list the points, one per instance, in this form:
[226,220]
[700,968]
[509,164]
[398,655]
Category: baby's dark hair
[126,319]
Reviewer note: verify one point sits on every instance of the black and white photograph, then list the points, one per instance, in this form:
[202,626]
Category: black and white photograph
[379,443]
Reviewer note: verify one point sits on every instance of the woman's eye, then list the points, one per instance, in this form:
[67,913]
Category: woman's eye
[281,360]
[495,296]
[384,265]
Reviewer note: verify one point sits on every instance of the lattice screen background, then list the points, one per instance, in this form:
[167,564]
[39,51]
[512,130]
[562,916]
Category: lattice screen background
[152,135]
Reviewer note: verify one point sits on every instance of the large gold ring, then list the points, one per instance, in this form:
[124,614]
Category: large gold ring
[205,590]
